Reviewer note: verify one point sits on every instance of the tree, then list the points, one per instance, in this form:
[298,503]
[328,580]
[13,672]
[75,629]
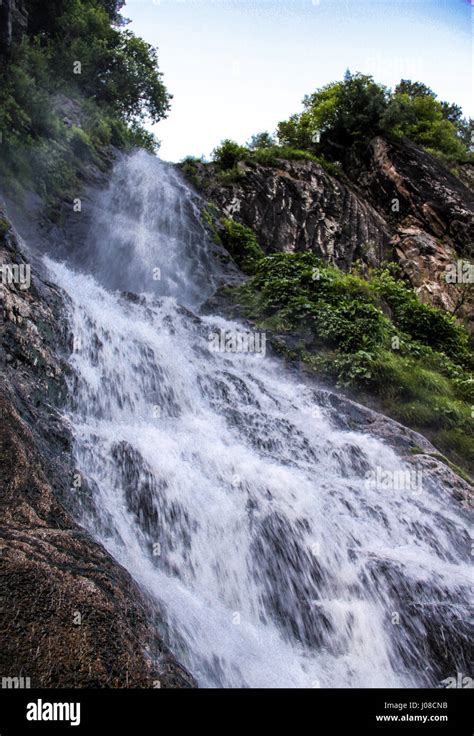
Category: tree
[134,84]
[422,118]
[113,8]
[425,120]
[361,105]
[296,132]
[338,114]
[228,154]
[43,16]
[413,89]
[261,140]
[452,112]
[466,134]
[116,67]
[343,114]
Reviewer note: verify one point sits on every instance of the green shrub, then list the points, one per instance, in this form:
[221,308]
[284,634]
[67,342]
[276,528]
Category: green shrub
[80,142]
[372,336]
[228,154]
[4,228]
[190,170]
[229,176]
[423,323]
[242,244]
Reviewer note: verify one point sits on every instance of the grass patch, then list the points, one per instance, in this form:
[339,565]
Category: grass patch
[227,157]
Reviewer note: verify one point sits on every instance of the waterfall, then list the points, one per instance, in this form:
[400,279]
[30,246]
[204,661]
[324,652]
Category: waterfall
[227,486]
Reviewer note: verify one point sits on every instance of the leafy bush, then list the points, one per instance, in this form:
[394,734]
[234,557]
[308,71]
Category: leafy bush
[228,154]
[242,244]
[371,335]
[190,170]
[423,323]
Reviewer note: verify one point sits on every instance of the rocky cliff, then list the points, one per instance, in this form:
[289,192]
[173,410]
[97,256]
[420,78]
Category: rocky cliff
[393,202]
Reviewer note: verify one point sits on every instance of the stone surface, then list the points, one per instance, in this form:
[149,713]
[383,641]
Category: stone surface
[396,203]
[297,206]
[430,213]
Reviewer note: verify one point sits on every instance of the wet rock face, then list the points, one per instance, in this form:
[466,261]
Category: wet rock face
[71,616]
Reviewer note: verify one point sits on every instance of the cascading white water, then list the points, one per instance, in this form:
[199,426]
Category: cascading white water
[226,488]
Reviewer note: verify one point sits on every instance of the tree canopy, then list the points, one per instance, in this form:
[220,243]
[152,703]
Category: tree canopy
[355,109]
[82,45]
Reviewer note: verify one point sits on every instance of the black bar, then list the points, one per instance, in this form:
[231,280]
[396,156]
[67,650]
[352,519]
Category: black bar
[310,712]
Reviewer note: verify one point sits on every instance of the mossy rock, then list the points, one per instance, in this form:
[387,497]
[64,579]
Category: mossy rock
[4,228]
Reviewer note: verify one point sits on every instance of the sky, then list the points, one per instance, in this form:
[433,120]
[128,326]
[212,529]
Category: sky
[238,67]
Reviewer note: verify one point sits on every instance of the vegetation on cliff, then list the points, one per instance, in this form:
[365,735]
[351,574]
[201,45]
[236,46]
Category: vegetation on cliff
[356,109]
[77,82]
[229,154]
[348,113]
[367,331]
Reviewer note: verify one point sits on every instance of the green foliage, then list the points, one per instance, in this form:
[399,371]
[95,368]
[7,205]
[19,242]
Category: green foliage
[413,89]
[341,114]
[4,228]
[134,86]
[229,176]
[439,126]
[422,119]
[272,155]
[81,143]
[117,88]
[260,141]
[360,107]
[44,18]
[190,170]
[423,323]
[337,115]
[242,244]
[118,71]
[350,112]
[373,336]
[117,68]
[228,154]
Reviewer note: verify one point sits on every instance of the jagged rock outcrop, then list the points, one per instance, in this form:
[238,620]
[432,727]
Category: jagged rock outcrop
[410,187]
[429,211]
[71,615]
[298,206]
[395,202]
